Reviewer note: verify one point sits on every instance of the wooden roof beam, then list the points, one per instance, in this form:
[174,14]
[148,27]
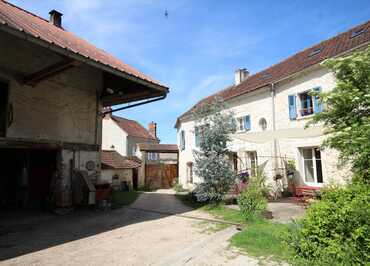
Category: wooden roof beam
[49,71]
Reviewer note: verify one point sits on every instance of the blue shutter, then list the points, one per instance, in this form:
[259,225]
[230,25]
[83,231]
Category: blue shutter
[247,122]
[197,139]
[292,107]
[317,106]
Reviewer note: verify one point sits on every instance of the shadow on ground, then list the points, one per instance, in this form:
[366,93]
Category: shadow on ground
[27,232]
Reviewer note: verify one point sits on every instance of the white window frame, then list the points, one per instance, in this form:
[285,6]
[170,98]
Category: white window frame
[299,103]
[313,157]
[240,123]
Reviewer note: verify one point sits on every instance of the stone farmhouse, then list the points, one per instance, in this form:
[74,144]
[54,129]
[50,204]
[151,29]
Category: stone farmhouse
[126,140]
[271,109]
[53,87]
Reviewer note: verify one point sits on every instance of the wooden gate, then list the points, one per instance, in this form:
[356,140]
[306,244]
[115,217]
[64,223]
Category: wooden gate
[160,175]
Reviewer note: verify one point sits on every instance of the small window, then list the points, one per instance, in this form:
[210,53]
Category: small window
[312,165]
[266,75]
[263,123]
[357,33]
[152,156]
[240,123]
[306,103]
[244,123]
[315,52]
[199,133]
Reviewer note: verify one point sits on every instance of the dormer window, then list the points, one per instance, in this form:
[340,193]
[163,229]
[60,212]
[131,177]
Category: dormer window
[357,33]
[315,52]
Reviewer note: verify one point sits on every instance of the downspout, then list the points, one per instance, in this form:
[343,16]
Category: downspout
[275,159]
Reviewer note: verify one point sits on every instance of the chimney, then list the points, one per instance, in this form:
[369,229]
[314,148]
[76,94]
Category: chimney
[56,18]
[152,127]
[241,75]
[107,109]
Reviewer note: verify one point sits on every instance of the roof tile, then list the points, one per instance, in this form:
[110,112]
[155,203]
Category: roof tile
[25,21]
[112,159]
[293,64]
[133,128]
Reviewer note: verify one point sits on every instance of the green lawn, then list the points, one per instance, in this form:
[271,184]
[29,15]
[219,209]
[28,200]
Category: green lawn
[259,238]
[124,198]
[263,238]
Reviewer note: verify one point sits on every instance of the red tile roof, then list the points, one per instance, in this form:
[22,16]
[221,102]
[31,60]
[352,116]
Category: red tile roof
[172,148]
[31,24]
[329,48]
[133,128]
[114,160]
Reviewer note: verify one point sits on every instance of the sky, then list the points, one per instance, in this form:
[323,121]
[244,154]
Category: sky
[197,48]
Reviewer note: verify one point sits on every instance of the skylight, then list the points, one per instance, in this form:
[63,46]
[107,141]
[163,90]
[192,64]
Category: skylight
[358,32]
[266,75]
[315,51]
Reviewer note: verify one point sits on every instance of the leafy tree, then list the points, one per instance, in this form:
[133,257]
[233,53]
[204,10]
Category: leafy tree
[212,163]
[346,116]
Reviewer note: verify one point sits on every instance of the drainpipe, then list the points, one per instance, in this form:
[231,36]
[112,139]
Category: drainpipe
[275,159]
[136,104]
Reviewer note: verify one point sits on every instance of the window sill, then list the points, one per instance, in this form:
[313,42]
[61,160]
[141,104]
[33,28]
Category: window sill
[304,117]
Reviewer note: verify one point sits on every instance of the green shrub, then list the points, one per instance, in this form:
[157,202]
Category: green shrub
[252,201]
[178,188]
[336,230]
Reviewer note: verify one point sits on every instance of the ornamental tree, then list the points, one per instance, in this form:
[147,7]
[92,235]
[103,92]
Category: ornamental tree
[346,116]
[212,162]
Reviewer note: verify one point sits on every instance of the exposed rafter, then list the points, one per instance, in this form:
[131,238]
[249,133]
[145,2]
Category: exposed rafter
[49,71]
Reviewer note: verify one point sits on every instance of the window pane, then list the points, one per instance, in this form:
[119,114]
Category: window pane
[309,171]
[318,166]
[307,153]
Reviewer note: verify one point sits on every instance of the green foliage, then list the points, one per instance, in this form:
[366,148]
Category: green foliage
[336,230]
[346,116]
[252,201]
[212,163]
[222,212]
[178,188]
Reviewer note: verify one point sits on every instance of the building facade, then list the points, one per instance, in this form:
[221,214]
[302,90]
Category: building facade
[271,110]
[53,87]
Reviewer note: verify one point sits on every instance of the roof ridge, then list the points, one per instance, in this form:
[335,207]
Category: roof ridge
[297,55]
[310,47]
[120,117]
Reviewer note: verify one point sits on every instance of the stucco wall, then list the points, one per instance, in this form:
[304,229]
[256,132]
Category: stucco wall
[60,108]
[114,135]
[63,108]
[259,104]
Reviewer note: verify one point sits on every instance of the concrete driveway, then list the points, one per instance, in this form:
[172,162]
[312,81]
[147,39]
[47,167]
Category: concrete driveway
[142,234]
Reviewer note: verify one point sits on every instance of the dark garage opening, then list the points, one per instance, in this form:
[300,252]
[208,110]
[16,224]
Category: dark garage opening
[26,178]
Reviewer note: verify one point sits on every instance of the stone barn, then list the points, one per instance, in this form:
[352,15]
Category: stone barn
[53,87]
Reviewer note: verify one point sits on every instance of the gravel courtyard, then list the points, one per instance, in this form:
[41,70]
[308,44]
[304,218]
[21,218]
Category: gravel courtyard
[141,234]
